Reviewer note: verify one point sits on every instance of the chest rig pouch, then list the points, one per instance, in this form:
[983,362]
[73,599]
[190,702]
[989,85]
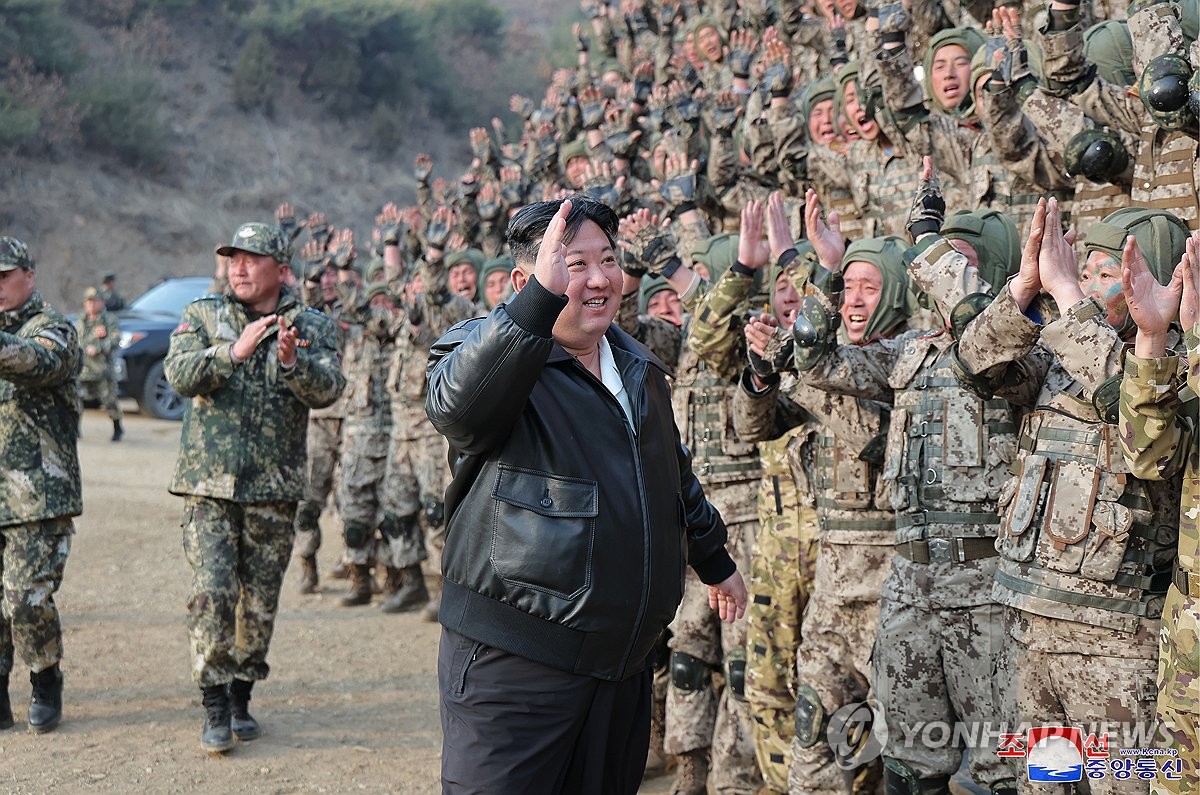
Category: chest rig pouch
[948,451]
[1077,510]
[702,402]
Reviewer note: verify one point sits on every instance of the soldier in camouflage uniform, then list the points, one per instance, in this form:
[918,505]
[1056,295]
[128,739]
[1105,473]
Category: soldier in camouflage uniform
[417,467]
[1160,436]
[39,479]
[709,729]
[253,361]
[946,457]
[1085,548]
[99,337]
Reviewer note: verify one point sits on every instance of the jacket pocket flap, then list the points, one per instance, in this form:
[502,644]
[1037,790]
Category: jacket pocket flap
[546,494]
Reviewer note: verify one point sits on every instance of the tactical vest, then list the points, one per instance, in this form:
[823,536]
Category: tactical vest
[365,362]
[1094,201]
[703,411]
[1081,538]
[1164,174]
[848,491]
[994,187]
[884,186]
[947,451]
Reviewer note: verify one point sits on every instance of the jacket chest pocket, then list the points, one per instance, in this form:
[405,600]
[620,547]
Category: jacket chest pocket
[543,531]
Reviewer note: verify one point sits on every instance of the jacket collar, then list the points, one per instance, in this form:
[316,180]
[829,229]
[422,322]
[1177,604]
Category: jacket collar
[621,343]
[18,316]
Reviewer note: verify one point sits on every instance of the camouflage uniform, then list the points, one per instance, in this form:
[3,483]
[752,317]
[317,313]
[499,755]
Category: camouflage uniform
[96,379]
[365,433]
[39,478]
[240,469]
[946,456]
[1084,546]
[417,465]
[700,718]
[1159,439]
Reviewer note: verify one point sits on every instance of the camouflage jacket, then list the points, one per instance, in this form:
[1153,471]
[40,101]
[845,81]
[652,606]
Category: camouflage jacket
[244,431]
[425,319]
[1081,538]
[39,355]
[366,355]
[98,365]
[1160,435]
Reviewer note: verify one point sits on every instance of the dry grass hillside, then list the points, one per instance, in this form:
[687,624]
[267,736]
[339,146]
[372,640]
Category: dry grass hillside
[84,213]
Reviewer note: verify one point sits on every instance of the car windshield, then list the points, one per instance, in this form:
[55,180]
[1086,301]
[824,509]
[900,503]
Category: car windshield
[170,297]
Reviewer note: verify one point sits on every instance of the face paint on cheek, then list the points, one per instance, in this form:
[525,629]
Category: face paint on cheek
[1114,302]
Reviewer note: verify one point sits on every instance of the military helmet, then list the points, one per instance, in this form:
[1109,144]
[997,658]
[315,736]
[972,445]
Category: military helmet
[1109,46]
[472,256]
[799,270]
[995,239]
[895,305]
[1164,90]
[718,253]
[814,92]
[577,148]
[970,40]
[1160,236]
[843,76]
[650,287]
[1194,94]
[1097,153]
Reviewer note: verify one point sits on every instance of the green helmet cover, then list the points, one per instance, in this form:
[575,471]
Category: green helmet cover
[995,240]
[970,40]
[1160,235]
[1109,46]
[887,255]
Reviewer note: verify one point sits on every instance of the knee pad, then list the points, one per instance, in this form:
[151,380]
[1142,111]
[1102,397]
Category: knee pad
[434,511]
[735,673]
[688,673]
[308,516]
[1005,786]
[900,779]
[356,535]
[394,526]
[810,716]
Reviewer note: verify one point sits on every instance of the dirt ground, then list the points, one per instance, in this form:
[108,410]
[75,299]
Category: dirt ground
[351,704]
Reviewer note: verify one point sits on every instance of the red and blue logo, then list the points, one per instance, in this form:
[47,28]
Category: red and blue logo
[1055,754]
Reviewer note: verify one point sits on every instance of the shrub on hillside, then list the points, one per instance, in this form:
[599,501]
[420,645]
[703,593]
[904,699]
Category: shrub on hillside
[387,129]
[121,114]
[37,30]
[254,75]
[19,124]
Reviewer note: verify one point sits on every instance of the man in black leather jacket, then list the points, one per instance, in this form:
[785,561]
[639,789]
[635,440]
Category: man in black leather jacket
[572,513]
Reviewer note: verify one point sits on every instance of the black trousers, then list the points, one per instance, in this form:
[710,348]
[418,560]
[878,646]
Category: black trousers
[511,725]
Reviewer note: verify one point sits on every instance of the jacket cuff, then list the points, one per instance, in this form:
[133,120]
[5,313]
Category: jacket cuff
[535,309]
[716,568]
[1157,373]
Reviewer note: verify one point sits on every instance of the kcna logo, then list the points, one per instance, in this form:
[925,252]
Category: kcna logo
[1054,754]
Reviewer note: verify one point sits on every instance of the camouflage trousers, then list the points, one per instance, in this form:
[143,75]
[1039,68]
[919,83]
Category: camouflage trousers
[418,471]
[712,717]
[780,582]
[103,392]
[834,660]
[360,485]
[1178,698]
[32,559]
[238,553]
[324,450]
[1069,689]
[938,665]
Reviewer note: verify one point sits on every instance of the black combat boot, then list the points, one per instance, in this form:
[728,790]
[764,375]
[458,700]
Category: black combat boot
[244,726]
[360,586]
[118,431]
[45,705]
[308,574]
[411,594]
[216,737]
[6,718]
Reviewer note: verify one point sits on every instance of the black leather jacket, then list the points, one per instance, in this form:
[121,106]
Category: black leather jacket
[568,530]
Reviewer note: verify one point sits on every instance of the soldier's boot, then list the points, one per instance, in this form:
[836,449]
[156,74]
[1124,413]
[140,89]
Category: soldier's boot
[217,735]
[118,431]
[692,773]
[308,574]
[341,570]
[360,586]
[434,605]
[391,581]
[45,705]
[243,724]
[6,718]
[900,779]
[411,594]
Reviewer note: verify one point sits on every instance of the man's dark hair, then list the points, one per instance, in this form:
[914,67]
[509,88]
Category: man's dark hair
[526,228]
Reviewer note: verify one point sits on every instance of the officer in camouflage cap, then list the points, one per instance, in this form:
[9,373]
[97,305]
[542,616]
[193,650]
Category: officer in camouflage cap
[99,337]
[254,361]
[39,480]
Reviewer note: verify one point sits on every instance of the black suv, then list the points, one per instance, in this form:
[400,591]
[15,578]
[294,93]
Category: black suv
[146,326]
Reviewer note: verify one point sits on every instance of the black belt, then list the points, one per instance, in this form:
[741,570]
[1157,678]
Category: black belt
[1187,582]
[947,550]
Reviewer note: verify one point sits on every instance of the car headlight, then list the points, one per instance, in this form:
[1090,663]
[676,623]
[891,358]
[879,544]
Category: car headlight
[130,337]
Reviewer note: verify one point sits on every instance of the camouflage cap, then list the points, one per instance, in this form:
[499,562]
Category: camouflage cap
[259,238]
[14,254]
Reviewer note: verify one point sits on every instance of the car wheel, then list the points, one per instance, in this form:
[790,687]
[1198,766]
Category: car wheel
[159,398]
